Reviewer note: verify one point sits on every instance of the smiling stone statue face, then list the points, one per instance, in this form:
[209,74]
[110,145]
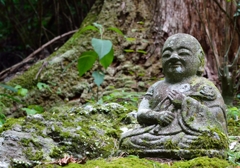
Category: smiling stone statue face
[182,57]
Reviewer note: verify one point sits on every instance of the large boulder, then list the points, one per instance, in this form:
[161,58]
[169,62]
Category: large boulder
[89,131]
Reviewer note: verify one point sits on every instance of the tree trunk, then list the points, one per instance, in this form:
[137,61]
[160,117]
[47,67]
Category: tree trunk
[149,23]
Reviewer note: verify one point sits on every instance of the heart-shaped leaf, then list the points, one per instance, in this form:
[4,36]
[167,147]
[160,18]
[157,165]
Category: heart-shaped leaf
[107,59]
[98,77]
[86,61]
[101,47]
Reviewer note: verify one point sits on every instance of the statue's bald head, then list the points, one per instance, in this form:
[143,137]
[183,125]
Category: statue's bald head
[190,42]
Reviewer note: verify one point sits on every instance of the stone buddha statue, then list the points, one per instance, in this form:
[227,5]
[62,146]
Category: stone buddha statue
[182,116]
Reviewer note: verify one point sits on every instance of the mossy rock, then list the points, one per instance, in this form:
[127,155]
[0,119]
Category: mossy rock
[92,131]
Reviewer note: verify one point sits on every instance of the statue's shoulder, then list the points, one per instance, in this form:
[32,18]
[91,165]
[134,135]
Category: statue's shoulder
[205,88]
[201,81]
[154,86]
[157,84]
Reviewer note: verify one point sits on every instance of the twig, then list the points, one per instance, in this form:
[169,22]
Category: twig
[236,58]
[3,74]
[45,63]
[237,85]
[231,20]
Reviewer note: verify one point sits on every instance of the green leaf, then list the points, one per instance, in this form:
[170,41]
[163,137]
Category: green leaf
[42,86]
[2,119]
[100,27]
[86,61]
[8,87]
[142,51]
[11,97]
[107,59]
[29,111]
[89,27]
[38,108]
[131,39]
[141,22]
[128,50]
[98,78]
[118,31]
[102,47]
[21,91]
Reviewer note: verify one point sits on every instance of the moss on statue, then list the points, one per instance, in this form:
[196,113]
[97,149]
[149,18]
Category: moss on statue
[170,145]
[214,139]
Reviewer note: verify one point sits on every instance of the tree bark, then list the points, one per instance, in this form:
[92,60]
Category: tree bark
[211,22]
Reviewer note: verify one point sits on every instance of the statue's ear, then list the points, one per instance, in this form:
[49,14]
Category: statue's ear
[200,71]
[201,56]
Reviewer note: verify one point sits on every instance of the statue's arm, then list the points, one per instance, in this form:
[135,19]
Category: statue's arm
[147,116]
[203,116]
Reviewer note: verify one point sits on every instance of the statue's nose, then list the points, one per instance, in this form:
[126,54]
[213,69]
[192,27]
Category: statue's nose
[175,55]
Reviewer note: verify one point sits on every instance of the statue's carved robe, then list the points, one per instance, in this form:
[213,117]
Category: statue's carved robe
[201,111]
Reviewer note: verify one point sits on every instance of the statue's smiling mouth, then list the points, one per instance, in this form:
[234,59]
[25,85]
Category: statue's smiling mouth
[175,64]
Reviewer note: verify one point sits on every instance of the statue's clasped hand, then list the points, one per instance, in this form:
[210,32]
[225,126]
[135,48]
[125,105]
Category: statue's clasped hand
[176,97]
[165,117]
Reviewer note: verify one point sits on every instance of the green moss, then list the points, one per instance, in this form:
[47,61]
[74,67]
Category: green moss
[202,162]
[233,130]
[169,145]
[10,122]
[113,133]
[26,80]
[49,166]
[130,162]
[135,162]
[26,142]
[37,125]
[214,139]
[33,155]
[191,119]
[56,152]
[233,126]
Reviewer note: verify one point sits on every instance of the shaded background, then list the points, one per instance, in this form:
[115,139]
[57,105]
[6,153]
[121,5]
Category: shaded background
[25,25]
